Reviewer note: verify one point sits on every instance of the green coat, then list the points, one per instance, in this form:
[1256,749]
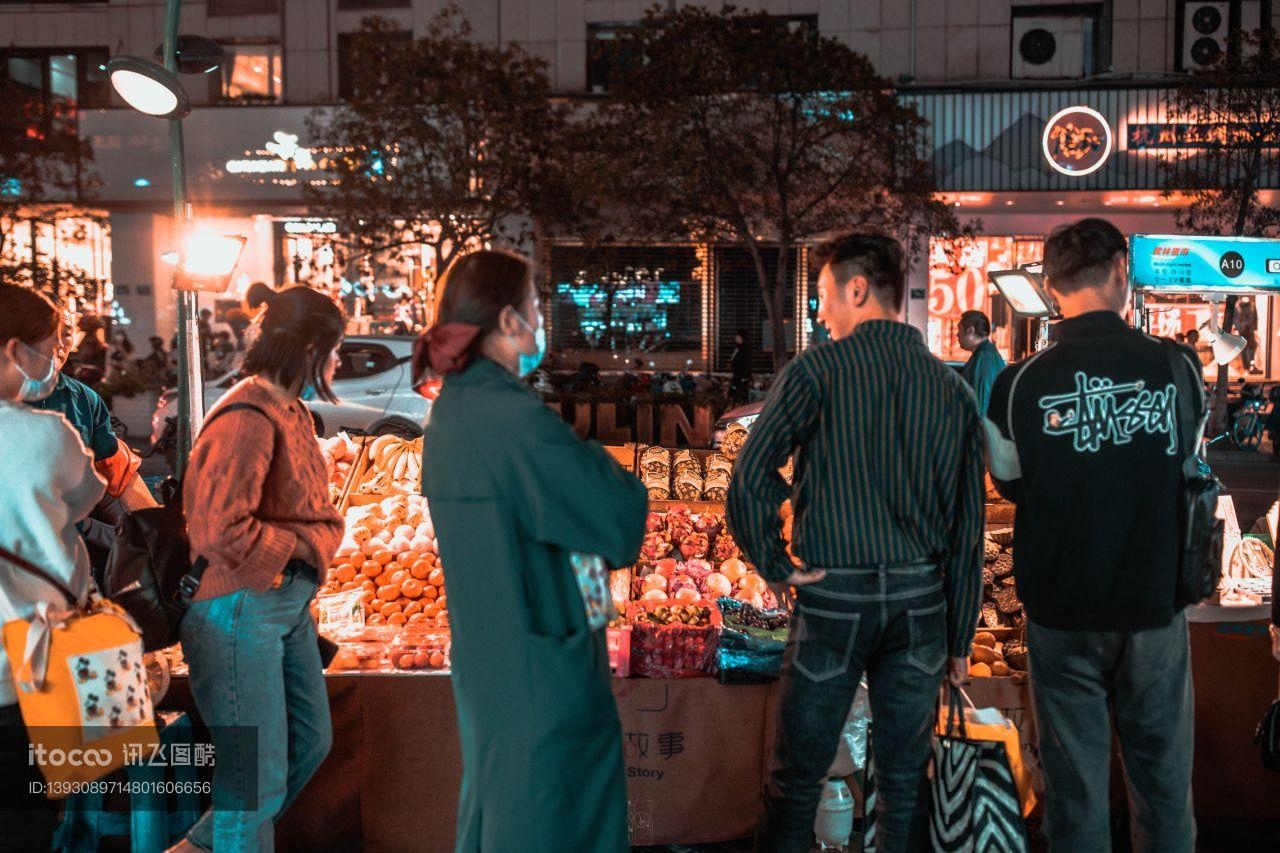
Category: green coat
[512,491]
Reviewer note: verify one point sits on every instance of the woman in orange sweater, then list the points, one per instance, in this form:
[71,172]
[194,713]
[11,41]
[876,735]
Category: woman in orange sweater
[257,506]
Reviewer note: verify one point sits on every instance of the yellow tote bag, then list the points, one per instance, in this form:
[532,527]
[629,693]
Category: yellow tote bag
[81,686]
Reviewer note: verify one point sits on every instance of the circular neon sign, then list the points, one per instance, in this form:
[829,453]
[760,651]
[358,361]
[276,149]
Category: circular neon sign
[1077,141]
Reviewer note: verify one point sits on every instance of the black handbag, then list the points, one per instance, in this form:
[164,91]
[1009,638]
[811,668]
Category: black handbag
[150,573]
[1268,737]
[1200,548]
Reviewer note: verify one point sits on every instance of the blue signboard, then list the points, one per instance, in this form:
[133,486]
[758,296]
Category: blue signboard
[1195,264]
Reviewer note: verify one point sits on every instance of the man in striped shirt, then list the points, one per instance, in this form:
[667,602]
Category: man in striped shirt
[889,499]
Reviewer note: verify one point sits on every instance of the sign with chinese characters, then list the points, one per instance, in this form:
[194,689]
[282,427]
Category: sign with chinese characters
[958,283]
[1077,141]
[1168,136]
[282,160]
[1194,264]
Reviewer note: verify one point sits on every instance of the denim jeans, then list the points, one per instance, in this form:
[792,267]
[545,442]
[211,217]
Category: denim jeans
[1078,679]
[891,624]
[255,669]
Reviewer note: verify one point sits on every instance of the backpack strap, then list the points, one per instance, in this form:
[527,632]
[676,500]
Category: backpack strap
[1189,425]
[190,582]
[32,568]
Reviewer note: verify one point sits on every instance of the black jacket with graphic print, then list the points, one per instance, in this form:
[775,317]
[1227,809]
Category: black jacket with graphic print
[1095,420]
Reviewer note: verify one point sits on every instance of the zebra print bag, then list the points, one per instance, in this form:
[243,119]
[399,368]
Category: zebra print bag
[975,806]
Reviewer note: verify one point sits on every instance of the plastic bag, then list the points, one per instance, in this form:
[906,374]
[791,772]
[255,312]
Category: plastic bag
[851,754]
[751,647]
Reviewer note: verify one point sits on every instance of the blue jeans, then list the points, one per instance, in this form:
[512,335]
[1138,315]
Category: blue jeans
[891,623]
[1079,679]
[258,682]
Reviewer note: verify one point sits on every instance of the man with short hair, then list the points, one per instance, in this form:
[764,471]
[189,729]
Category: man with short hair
[985,362]
[888,500]
[1086,438]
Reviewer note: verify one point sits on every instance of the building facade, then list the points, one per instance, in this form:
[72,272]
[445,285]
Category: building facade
[990,75]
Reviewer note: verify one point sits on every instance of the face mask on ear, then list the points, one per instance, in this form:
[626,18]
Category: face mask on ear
[529,361]
[34,389]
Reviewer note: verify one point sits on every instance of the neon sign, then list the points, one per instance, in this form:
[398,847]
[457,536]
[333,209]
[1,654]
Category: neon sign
[1077,141]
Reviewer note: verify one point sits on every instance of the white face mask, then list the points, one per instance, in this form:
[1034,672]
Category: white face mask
[34,389]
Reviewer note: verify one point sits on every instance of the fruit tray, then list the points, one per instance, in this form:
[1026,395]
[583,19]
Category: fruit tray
[675,650]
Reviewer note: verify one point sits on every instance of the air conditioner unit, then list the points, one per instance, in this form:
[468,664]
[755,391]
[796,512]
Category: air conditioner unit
[1206,34]
[1050,46]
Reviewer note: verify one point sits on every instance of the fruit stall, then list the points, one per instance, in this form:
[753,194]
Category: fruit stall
[696,646]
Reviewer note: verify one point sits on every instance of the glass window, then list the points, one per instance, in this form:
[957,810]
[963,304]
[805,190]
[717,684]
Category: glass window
[360,360]
[251,73]
[243,7]
[958,283]
[627,301]
[605,55]
[348,47]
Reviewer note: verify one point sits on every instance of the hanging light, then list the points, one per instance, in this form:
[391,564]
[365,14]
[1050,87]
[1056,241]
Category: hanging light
[148,87]
[1226,346]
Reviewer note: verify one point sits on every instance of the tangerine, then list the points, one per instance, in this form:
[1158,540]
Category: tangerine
[375,619]
[421,659]
[346,572]
[399,576]
[383,557]
[390,592]
[348,586]
[406,661]
[390,607]
[436,578]
[442,602]
[411,588]
[397,619]
[437,660]
[421,569]
[412,608]
[431,611]
[370,568]
[429,591]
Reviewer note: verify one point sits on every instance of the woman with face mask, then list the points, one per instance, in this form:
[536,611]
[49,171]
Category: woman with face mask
[49,485]
[513,492]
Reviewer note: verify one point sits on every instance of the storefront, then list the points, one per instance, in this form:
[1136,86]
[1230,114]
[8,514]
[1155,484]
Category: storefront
[1019,163]
[246,168]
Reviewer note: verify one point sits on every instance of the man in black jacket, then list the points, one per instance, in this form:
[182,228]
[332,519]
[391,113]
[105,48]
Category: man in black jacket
[1085,437]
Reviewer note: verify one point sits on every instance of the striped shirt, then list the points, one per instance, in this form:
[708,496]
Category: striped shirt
[888,456]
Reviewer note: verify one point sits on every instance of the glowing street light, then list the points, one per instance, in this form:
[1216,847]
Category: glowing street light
[148,87]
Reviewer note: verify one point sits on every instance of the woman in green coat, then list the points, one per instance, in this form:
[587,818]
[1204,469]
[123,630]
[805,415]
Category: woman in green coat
[513,492]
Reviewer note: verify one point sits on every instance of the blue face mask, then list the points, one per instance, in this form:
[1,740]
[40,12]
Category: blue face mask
[34,389]
[529,361]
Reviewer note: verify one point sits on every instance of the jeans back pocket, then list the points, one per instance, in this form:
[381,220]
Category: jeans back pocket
[824,642]
[927,649]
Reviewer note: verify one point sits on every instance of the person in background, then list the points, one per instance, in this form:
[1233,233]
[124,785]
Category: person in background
[222,355]
[513,491]
[205,331]
[1108,642]
[888,499]
[985,362]
[404,316]
[119,355]
[257,506]
[47,467]
[1180,338]
[157,360]
[1247,326]
[742,363]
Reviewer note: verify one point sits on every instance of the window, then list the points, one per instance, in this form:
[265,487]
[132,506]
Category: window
[362,5]
[605,54]
[358,361]
[228,8]
[741,305]
[250,74]
[349,46]
[799,23]
[627,301]
[53,84]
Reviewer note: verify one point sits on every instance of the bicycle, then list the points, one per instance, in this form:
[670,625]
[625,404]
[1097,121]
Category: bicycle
[1249,424]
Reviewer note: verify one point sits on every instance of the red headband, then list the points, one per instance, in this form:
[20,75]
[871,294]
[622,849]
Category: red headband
[442,349]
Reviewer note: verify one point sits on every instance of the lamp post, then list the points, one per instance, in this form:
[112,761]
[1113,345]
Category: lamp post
[155,90]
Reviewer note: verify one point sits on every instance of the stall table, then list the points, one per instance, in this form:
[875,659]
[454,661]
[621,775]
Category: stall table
[695,751]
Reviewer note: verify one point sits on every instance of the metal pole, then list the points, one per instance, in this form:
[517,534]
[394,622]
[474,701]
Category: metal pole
[190,383]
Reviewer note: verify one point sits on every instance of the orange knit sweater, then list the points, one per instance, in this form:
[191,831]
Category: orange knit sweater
[253,489]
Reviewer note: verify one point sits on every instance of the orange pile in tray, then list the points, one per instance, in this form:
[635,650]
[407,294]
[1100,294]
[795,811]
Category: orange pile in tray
[391,554]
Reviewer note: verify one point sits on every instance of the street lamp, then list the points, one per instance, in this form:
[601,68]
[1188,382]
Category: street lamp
[154,90]
[148,87]
[1023,288]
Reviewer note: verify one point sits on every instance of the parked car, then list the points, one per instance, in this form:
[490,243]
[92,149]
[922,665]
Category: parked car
[373,385]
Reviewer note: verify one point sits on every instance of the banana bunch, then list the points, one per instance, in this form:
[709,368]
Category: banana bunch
[395,465]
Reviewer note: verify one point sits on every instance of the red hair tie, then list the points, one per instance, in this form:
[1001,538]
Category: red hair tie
[441,350]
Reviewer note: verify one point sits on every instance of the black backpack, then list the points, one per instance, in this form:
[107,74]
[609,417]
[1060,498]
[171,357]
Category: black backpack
[1200,552]
[149,572]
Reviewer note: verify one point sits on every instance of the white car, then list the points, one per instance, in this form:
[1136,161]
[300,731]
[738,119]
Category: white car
[373,385]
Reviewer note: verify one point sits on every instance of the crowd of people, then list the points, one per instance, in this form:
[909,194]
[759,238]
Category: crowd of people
[890,450]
